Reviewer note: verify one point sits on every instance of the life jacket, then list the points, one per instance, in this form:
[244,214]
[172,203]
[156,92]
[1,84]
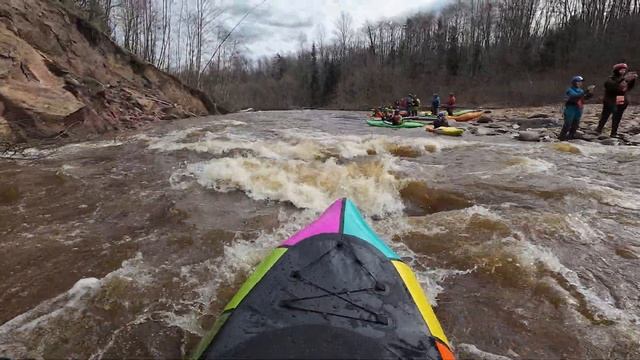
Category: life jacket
[575,97]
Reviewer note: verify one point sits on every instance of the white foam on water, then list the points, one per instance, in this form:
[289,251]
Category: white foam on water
[525,165]
[300,144]
[307,185]
[68,306]
[356,145]
[187,321]
[594,149]
[238,260]
[481,211]
[580,226]
[229,122]
[68,170]
[31,153]
[71,300]
[531,255]
[430,278]
[610,196]
[99,353]
[475,353]
[73,148]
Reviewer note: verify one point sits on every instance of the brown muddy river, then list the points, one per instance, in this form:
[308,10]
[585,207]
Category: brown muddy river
[130,248]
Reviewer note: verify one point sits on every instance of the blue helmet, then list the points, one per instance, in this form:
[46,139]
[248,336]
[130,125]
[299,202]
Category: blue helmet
[576,79]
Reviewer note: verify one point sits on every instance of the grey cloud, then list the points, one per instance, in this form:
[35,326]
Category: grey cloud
[253,32]
[238,9]
[290,24]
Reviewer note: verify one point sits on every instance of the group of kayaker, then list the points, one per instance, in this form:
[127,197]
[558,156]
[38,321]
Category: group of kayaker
[389,115]
[410,105]
[614,103]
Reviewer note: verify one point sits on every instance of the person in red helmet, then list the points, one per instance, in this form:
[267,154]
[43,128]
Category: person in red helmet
[615,97]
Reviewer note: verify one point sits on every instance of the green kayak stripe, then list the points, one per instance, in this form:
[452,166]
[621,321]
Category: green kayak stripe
[404,125]
[208,337]
[257,275]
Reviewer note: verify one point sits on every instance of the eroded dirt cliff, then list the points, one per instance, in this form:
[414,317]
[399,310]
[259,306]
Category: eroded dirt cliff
[60,77]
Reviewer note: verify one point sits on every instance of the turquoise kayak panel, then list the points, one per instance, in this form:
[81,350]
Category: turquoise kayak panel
[355,225]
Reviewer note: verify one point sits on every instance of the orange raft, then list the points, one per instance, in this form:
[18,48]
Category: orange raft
[466,117]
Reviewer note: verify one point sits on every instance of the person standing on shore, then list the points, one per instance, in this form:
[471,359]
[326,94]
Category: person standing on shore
[415,105]
[451,104]
[435,104]
[615,100]
[575,96]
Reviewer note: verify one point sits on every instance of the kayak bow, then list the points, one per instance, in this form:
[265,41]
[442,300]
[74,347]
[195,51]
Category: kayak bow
[332,290]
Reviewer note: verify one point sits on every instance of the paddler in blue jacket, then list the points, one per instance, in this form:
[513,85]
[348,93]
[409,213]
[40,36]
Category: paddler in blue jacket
[435,104]
[575,97]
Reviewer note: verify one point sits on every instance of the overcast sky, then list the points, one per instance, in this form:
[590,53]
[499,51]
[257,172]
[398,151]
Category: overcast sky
[278,25]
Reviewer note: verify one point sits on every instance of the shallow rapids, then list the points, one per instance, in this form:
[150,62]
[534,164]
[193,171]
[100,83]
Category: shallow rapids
[131,247]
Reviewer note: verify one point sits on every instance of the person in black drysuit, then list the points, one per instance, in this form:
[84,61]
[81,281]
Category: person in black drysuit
[415,105]
[615,100]
[441,120]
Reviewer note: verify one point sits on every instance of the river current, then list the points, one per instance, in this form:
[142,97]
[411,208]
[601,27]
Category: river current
[130,247]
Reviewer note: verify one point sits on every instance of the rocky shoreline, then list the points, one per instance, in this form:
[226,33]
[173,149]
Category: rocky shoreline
[542,124]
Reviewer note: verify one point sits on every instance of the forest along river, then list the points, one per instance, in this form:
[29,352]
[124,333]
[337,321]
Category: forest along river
[131,248]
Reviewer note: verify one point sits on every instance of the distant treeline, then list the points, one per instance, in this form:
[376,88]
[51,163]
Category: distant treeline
[515,52]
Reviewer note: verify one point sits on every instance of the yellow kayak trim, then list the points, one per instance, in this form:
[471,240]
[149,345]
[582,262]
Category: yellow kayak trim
[421,301]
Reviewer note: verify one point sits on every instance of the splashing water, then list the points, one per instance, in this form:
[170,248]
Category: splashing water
[131,248]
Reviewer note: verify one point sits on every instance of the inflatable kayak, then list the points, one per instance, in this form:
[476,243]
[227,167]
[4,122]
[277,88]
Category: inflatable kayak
[405,124]
[334,290]
[445,130]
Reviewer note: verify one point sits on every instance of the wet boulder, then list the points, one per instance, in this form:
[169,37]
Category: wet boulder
[485,132]
[586,137]
[536,123]
[539,116]
[610,142]
[484,119]
[635,139]
[529,136]
[495,126]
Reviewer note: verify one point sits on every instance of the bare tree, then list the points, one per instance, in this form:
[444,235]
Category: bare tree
[344,32]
